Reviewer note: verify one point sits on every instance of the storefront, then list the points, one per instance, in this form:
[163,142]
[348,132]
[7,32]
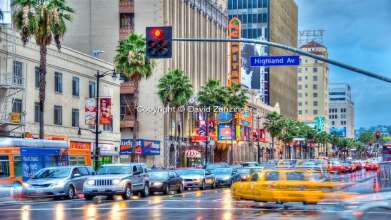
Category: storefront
[193,158]
[79,153]
[141,150]
[108,153]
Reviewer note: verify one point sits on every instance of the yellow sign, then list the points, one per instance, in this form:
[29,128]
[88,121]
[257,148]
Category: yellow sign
[15,117]
[234,33]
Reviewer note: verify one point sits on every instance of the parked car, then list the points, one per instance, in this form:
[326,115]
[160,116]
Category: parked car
[223,176]
[371,165]
[249,164]
[242,174]
[197,178]
[286,163]
[118,179]
[212,166]
[165,181]
[335,166]
[57,182]
[348,166]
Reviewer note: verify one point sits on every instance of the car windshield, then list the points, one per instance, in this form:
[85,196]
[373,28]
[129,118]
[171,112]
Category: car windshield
[158,175]
[249,164]
[190,172]
[243,171]
[106,170]
[52,173]
[222,171]
[216,165]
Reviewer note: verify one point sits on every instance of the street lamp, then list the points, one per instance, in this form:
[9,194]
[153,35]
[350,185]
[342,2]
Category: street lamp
[97,132]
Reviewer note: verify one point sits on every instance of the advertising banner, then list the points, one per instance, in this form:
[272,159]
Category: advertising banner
[105,111]
[234,32]
[142,147]
[224,117]
[90,111]
[225,132]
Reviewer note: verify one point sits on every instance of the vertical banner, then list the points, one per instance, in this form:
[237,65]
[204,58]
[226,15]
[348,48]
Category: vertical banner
[90,111]
[105,111]
[234,51]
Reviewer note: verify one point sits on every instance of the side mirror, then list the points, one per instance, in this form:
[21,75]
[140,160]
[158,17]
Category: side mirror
[76,175]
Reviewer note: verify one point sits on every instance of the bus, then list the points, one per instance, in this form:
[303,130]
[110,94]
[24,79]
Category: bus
[21,158]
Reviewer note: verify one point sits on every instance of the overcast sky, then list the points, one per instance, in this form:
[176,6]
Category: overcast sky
[358,32]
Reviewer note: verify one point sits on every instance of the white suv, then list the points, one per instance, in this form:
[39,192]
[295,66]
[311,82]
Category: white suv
[118,179]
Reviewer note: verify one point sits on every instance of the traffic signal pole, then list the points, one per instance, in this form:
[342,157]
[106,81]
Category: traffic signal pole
[292,49]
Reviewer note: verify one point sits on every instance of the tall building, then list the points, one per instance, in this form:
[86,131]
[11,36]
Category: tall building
[313,77]
[276,21]
[70,82]
[341,110]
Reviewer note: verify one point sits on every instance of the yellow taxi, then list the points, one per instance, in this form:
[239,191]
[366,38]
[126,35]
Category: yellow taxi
[288,185]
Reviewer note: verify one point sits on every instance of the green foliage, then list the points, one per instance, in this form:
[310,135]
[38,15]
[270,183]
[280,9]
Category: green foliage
[366,137]
[175,88]
[130,58]
[45,20]
[275,124]
[213,94]
[236,97]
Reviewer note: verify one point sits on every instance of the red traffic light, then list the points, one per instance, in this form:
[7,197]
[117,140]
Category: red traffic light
[156,33]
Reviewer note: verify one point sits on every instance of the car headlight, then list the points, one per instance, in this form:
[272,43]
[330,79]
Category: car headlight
[116,181]
[59,183]
[24,184]
[157,183]
[226,178]
[90,182]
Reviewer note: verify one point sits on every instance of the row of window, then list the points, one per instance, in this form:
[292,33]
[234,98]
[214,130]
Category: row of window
[243,4]
[314,69]
[314,95]
[315,103]
[343,116]
[335,110]
[315,112]
[314,78]
[58,84]
[341,123]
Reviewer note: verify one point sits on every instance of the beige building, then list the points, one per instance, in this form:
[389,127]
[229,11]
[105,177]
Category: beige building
[70,80]
[313,79]
[283,28]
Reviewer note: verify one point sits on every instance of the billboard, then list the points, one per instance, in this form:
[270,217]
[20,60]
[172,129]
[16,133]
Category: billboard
[90,111]
[225,132]
[234,32]
[105,111]
[338,131]
[142,147]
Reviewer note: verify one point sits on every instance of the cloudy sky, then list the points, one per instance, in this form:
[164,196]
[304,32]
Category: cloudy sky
[358,32]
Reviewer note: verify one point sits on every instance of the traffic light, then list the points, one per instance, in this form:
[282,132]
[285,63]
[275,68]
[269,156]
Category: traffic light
[159,42]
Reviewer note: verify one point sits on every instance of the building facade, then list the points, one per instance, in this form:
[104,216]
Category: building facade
[70,81]
[276,21]
[313,80]
[341,110]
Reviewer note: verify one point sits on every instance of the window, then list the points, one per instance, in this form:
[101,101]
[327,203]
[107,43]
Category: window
[299,70]
[306,86]
[315,112]
[37,77]
[36,112]
[306,69]
[314,86]
[315,103]
[315,70]
[315,94]
[57,115]
[84,171]
[58,82]
[18,73]
[91,89]
[300,86]
[75,86]
[332,123]
[315,78]
[300,95]
[343,116]
[76,160]
[75,117]
[306,94]
[272,176]
[300,112]
[299,78]
[300,104]
[295,176]
[305,77]
[343,122]
[4,167]
[17,106]
[343,110]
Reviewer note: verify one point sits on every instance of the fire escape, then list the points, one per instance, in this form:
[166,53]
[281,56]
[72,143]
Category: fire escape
[126,16]
[128,106]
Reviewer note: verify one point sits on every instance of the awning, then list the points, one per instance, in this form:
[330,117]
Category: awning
[192,154]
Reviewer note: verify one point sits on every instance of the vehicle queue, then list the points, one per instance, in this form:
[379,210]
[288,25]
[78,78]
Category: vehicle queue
[306,181]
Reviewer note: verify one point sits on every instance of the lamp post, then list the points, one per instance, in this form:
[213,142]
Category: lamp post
[258,137]
[97,132]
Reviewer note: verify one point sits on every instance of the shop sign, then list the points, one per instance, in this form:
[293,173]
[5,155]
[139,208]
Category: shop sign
[224,117]
[142,147]
[259,135]
[15,117]
[107,149]
[245,119]
[80,145]
[225,132]
[235,55]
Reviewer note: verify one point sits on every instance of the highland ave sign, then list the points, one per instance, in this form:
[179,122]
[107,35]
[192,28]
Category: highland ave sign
[275,61]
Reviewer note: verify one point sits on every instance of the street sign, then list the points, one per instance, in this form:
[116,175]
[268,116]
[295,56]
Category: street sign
[275,61]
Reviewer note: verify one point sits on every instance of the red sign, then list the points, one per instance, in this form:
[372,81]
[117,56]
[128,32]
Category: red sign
[138,150]
[80,145]
[105,111]
[259,135]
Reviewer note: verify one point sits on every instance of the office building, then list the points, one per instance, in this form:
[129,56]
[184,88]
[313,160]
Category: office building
[312,84]
[341,110]
[276,21]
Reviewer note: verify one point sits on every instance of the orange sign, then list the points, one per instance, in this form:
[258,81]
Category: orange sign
[15,117]
[234,61]
[80,145]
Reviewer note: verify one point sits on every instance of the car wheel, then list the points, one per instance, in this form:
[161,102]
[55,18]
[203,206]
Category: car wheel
[203,187]
[145,192]
[166,189]
[213,185]
[180,189]
[110,197]
[71,192]
[128,193]
[88,197]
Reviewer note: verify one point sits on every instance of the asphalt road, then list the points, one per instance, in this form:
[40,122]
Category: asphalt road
[199,205]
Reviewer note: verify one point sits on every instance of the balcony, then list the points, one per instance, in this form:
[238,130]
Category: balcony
[124,32]
[126,6]
[128,122]
[128,87]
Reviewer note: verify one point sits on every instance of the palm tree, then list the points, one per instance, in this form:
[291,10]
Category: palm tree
[130,61]
[175,90]
[45,20]
[274,124]
[236,100]
[211,95]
